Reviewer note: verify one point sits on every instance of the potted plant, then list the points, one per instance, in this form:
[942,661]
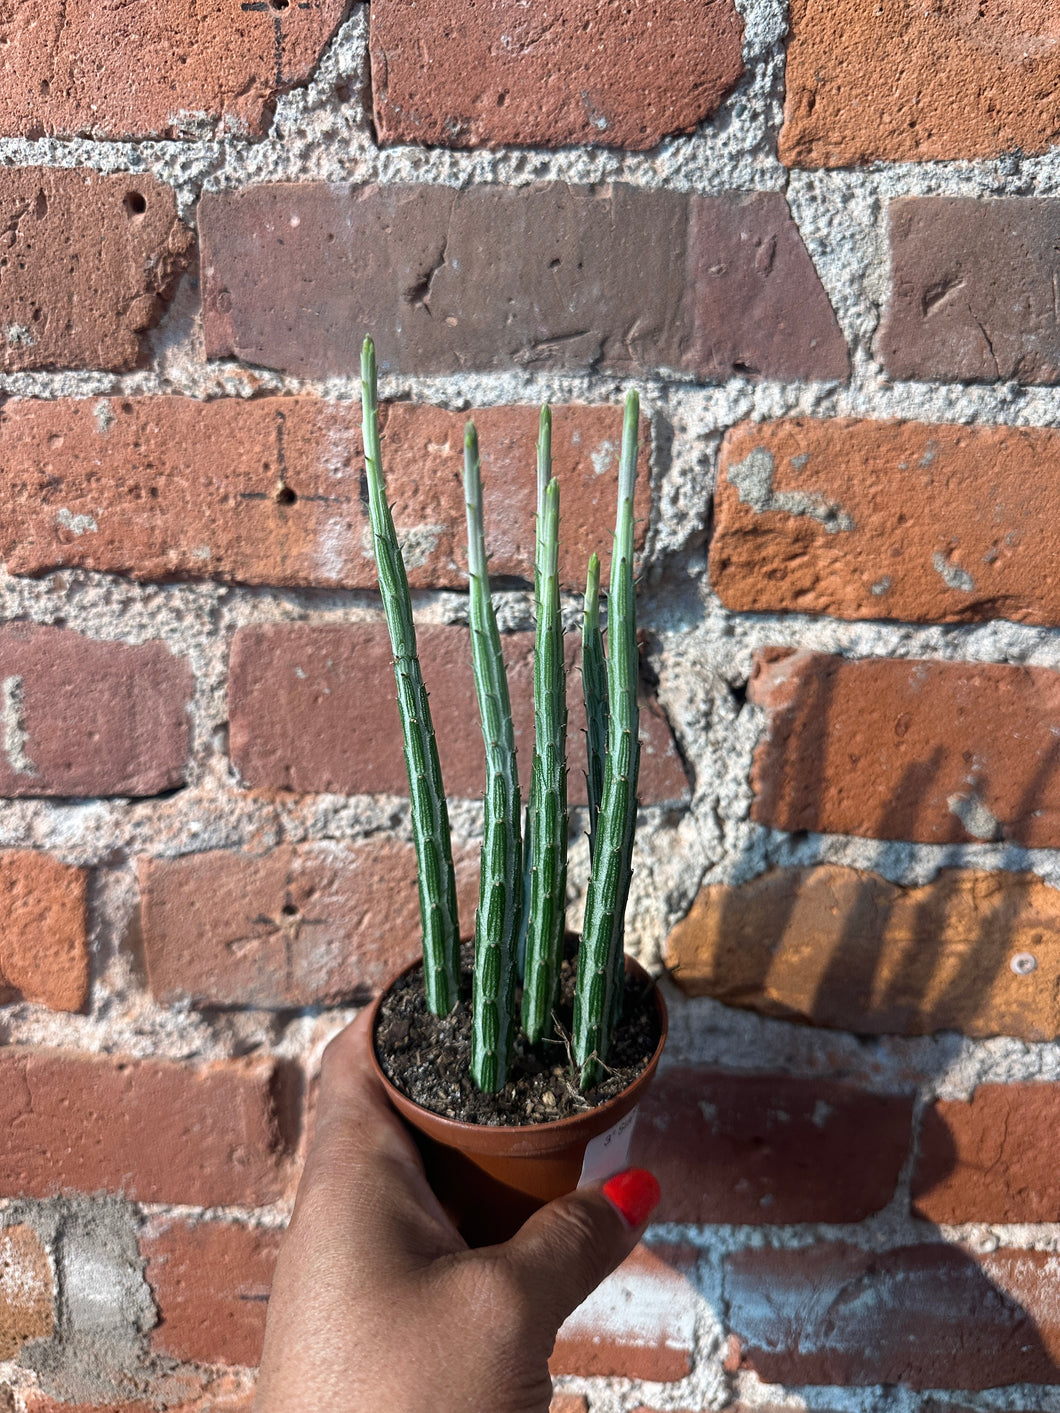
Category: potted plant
[558,1051]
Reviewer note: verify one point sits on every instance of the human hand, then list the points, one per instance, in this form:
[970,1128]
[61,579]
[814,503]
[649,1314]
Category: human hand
[379,1304]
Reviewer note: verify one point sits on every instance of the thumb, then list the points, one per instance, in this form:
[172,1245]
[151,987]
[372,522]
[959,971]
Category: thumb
[563,1252]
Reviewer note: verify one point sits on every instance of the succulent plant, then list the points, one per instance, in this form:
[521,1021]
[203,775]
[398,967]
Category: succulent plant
[519,926]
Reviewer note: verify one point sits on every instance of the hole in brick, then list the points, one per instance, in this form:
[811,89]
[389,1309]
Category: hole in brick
[279,4]
[284,496]
[135,203]
[289,910]
[739,694]
[40,208]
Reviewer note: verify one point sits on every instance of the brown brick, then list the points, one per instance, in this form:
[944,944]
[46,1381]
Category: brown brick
[156,1130]
[983,1159]
[639,1324]
[860,519]
[88,263]
[268,491]
[297,704]
[305,925]
[27,1293]
[973,290]
[600,278]
[903,81]
[43,941]
[934,752]
[930,1316]
[769,1148]
[166,69]
[87,717]
[759,307]
[970,951]
[577,74]
[211,1284]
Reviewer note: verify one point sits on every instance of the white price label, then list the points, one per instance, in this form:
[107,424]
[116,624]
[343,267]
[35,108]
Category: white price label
[608,1152]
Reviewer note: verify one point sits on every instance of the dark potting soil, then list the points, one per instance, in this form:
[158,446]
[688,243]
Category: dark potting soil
[428,1057]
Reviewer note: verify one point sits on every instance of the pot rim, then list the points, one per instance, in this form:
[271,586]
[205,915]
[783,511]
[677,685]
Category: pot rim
[460,1133]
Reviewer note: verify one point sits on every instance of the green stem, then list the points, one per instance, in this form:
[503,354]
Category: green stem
[598,998]
[548,775]
[501,880]
[430,815]
[594,692]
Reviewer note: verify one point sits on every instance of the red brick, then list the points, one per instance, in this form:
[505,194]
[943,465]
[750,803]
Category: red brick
[155,1130]
[168,69]
[27,1293]
[577,74]
[983,1159]
[267,491]
[86,717]
[589,278]
[211,1284]
[568,1403]
[903,81]
[297,708]
[769,1148]
[225,1394]
[935,752]
[970,951]
[860,519]
[88,263]
[298,926]
[639,1324]
[928,1316]
[43,941]
[41,1403]
[972,290]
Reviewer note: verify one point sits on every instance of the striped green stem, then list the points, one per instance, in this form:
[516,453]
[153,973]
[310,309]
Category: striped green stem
[501,880]
[548,775]
[430,815]
[598,998]
[594,691]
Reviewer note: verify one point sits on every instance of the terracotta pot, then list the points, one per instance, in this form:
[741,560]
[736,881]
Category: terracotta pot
[491,1178]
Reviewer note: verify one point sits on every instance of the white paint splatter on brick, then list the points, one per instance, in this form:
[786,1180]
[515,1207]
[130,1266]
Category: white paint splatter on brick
[973,813]
[603,457]
[332,554]
[645,1304]
[76,524]
[952,575]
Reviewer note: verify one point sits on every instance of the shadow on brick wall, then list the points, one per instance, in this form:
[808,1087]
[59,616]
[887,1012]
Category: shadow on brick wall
[843,949]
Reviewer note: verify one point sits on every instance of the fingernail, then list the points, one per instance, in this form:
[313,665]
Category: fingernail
[635,1193]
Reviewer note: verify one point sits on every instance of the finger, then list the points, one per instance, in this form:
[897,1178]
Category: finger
[364,1175]
[563,1252]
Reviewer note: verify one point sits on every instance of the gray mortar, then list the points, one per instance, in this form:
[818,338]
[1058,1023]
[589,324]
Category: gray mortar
[105,1309]
[698,651]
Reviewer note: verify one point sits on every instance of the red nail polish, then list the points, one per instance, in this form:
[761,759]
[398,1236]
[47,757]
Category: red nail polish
[635,1193]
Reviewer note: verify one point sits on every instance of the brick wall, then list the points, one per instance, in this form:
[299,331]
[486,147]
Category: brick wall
[822,239]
